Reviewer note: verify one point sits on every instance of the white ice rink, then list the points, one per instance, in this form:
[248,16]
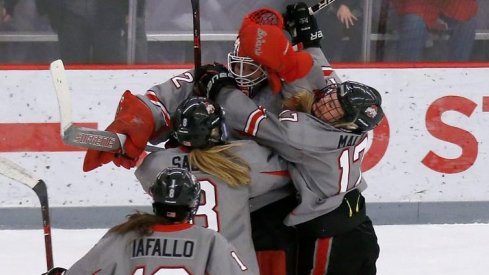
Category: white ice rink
[405,250]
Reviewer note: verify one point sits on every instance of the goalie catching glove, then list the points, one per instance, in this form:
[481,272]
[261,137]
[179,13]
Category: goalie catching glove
[134,119]
[210,78]
[267,45]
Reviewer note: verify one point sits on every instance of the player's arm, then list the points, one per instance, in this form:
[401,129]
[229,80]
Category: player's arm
[164,99]
[100,258]
[306,34]
[243,116]
[142,118]
[224,258]
[268,170]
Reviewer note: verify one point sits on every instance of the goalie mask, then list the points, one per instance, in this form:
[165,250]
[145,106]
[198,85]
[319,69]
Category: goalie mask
[176,194]
[247,73]
[199,123]
[350,105]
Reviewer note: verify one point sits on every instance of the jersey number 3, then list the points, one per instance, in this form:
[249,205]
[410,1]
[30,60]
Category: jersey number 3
[208,215]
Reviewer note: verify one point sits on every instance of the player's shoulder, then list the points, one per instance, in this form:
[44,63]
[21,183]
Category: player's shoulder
[206,232]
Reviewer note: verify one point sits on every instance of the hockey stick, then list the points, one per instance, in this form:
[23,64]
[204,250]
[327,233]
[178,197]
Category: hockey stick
[19,174]
[196,30]
[80,136]
[319,6]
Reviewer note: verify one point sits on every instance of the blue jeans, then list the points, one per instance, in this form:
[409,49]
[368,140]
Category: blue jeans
[414,32]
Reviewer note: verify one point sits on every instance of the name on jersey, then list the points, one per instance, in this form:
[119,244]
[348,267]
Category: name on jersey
[160,247]
[345,141]
[182,161]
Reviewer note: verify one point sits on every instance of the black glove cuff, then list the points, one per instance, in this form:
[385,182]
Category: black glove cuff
[218,84]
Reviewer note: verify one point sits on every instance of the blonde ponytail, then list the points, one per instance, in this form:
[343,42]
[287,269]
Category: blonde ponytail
[221,161]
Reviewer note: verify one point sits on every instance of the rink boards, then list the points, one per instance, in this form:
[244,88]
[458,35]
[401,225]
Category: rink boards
[426,163]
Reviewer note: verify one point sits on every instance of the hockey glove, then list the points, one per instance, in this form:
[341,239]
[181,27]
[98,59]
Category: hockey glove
[55,271]
[211,78]
[302,26]
[134,119]
[267,45]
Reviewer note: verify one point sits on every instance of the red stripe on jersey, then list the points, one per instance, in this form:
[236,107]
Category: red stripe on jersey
[254,121]
[171,227]
[327,71]
[321,256]
[35,137]
[156,101]
[281,173]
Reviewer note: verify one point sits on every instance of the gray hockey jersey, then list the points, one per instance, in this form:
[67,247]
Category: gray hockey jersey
[164,98]
[172,249]
[226,209]
[326,161]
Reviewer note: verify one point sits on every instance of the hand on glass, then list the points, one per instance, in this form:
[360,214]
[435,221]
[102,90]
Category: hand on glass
[346,17]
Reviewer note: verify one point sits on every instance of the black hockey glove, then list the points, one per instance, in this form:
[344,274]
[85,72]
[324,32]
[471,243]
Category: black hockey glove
[302,26]
[55,271]
[211,78]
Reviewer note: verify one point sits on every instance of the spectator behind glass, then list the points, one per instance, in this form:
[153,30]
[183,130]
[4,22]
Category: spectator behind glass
[7,10]
[419,18]
[93,31]
[20,17]
[343,25]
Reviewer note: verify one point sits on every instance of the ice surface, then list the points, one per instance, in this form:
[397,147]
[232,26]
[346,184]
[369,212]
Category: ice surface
[405,249]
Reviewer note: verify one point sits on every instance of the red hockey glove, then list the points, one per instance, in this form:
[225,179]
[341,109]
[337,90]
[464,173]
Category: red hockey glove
[134,119]
[267,45]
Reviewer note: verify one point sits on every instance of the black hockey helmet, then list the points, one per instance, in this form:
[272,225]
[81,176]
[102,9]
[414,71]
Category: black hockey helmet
[362,105]
[176,194]
[199,123]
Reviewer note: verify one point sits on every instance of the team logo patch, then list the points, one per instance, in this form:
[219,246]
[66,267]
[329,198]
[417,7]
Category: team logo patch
[210,108]
[371,111]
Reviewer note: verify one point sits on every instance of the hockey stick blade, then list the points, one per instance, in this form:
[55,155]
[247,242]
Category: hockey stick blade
[79,136]
[319,6]
[71,134]
[17,173]
[94,139]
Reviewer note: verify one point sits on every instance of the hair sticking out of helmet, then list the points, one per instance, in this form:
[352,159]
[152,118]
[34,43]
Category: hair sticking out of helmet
[246,71]
[199,123]
[350,105]
[176,194]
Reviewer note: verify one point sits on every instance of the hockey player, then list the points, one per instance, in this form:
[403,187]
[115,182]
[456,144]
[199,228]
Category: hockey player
[325,144]
[163,242]
[230,173]
[147,117]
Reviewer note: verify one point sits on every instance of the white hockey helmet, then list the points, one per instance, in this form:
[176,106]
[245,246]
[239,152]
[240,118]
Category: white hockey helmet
[246,71]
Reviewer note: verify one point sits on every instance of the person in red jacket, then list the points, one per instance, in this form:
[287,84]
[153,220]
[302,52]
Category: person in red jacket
[420,17]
